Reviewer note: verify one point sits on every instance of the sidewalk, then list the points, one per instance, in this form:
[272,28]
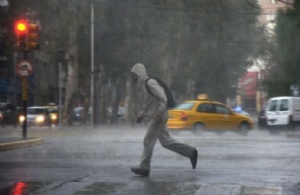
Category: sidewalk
[10,143]
[15,141]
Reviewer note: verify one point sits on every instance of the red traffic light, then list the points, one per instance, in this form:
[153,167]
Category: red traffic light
[21,30]
[21,26]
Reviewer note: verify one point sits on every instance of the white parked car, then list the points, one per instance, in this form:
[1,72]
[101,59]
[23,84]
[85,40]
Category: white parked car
[37,116]
[283,111]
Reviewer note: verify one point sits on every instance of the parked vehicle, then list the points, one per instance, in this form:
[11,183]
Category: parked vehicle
[283,112]
[120,113]
[203,114]
[37,116]
[8,114]
[77,115]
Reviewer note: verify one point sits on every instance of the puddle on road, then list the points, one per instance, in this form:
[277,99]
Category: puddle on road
[157,188]
[101,188]
[23,188]
[164,188]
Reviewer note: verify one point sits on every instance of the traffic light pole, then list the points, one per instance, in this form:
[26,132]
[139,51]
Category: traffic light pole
[26,40]
[24,98]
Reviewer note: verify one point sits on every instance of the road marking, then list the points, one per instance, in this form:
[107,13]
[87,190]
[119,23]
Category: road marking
[261,190]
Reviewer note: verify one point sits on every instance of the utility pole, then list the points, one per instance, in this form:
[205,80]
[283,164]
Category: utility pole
[61,76]
[92,64]
[60,94]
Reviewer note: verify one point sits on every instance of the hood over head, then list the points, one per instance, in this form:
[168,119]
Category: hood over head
[140,70]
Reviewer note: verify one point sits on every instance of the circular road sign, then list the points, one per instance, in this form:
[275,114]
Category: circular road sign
[24,69]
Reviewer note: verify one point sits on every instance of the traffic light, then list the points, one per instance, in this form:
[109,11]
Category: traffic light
[33,36]
[21,29]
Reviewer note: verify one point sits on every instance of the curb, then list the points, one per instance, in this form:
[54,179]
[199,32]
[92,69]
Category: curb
[20,144]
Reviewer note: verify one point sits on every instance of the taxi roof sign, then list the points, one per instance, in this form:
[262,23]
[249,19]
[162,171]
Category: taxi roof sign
[202,97]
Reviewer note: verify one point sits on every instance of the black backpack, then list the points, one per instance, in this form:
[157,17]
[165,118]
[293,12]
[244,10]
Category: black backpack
[170,99]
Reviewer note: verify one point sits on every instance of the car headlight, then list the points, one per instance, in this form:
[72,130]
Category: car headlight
[21,118]
[40,119]
[53,116]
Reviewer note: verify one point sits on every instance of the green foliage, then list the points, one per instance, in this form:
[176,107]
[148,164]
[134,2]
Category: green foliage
[286,71]
[208,41]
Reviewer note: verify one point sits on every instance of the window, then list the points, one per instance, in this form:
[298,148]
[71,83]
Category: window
[207,108]
[36,111]
[222,109]
[185,106]
[272,105]
[284,105]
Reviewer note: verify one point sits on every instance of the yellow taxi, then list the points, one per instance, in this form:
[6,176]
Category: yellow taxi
[203,114]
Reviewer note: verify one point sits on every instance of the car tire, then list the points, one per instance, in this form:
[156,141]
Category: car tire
[198,129]
[243,128]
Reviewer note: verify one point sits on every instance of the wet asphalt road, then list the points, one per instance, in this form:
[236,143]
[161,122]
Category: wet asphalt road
[84,161]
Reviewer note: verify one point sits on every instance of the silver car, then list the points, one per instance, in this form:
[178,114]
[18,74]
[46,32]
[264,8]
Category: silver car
[36,116]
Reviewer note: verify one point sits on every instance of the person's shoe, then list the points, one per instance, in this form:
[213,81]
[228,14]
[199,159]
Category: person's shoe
[194,158]
[140,171]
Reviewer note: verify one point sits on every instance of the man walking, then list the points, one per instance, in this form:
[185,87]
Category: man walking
[154,110]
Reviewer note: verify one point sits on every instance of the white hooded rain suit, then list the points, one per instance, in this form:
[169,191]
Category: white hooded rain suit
[154,110]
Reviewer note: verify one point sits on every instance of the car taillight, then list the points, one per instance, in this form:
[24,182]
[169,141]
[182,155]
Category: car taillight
[183,116]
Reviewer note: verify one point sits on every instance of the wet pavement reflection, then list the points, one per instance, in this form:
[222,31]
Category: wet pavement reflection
[23,188]
[97,162]
[147,187]
[107,188]
[104,188]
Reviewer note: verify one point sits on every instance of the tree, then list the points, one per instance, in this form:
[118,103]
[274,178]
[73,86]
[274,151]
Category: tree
[286,70]
[194,46]
[58,32]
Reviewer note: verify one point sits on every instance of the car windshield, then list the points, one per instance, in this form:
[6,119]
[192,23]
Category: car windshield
[272,105]
[185,106]
[77,110]
[52,110]
[35,111]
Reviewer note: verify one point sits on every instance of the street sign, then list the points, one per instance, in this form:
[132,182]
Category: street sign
[24,69]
